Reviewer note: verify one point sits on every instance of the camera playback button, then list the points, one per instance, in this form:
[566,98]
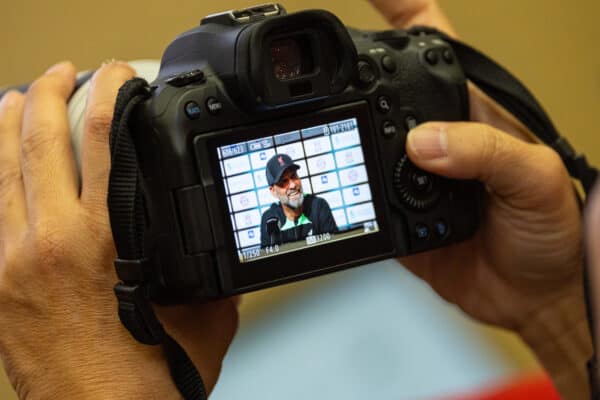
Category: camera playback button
[192,110]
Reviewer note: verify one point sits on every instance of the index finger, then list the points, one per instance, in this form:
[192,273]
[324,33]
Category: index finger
[47,162]
[406,13]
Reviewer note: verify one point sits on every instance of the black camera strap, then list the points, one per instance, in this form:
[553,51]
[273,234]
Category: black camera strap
[127,218]
[127,214]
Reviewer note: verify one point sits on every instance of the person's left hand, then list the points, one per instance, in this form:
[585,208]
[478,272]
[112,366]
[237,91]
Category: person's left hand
[60,335]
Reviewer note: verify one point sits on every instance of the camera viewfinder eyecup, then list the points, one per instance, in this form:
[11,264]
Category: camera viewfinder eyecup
[326,57]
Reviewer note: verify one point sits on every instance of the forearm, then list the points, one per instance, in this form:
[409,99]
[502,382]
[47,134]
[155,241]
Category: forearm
[560,338]
[94,372]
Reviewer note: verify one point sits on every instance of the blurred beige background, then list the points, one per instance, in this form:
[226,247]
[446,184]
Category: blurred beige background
[550,44]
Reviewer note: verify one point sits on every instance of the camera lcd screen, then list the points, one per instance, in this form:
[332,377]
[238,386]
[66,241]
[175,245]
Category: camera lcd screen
[294,190]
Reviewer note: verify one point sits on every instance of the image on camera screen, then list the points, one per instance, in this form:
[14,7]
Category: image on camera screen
[298,189]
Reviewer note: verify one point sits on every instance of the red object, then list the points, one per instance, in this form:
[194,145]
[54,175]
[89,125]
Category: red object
[535,387]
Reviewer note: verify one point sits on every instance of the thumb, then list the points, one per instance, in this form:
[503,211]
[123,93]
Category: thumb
[406,13]
[525,174]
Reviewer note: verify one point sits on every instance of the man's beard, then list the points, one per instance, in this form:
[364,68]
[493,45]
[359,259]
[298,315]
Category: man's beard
[295,203]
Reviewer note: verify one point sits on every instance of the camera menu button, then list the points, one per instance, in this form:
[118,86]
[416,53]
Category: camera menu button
[213,105]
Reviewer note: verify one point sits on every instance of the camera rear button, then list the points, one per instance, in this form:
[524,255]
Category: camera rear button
[388,64]
[384,105]
[366,75]
[410,122]
[421,181]
[389,128]
[447,56]
[432,57]
[441,228]
[192,110]
[422,231]
[213,105]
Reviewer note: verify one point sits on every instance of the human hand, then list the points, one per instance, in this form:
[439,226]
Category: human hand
[514,248]
[523,269]
[60,335]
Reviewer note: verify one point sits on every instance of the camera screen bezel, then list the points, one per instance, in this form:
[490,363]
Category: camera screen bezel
[236,276]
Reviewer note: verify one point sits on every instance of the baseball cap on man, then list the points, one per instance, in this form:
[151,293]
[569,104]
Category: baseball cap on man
[277,165]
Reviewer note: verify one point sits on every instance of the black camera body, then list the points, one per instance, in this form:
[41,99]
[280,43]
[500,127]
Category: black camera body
[250,86]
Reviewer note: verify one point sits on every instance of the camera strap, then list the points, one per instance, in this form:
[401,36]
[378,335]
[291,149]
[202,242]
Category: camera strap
[508,91]
[127,218]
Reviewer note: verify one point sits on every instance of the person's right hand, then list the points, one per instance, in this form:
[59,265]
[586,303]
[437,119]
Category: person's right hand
[530,239]
[523,269]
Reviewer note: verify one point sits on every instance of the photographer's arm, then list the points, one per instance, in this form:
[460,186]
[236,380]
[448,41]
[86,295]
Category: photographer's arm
[60,335]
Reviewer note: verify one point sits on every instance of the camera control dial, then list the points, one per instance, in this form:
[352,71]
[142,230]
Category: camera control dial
[415,187]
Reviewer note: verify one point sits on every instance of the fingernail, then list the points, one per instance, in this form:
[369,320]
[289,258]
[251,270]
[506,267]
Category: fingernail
[428,142]
[60,67]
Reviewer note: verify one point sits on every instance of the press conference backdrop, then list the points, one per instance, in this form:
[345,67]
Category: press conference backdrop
[550,44]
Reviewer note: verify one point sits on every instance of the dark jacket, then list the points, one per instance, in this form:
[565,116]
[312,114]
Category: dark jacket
[316,218]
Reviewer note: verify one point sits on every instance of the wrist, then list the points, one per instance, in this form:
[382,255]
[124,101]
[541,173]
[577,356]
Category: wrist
[88,378]
[559,336]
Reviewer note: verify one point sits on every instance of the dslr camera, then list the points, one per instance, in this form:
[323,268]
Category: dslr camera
[272,149]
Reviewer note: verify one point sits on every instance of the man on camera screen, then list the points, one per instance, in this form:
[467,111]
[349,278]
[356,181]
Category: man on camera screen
[295,216]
